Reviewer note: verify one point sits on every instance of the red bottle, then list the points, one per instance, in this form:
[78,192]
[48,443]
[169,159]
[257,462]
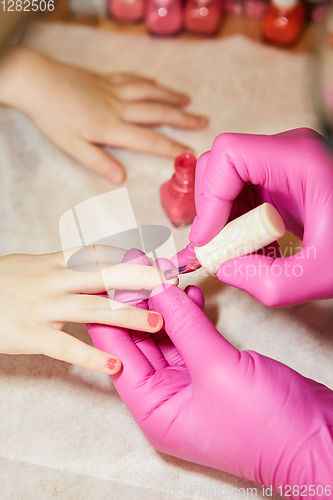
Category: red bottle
[128,11]
[283,21]
[177,194]
[203,16]
[164,17]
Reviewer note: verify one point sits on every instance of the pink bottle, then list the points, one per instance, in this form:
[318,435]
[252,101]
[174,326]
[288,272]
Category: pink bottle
[177,194]
[255,8]
[128,11]
[164,17]
[233,7]
[203,16]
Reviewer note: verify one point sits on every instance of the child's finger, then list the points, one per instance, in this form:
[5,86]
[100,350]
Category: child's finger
[144,140]
[95,309]
[136,298]
[60,345]
[146,90]
[90,258]
[123,78]
[119,276]
[161,114]
[96,159]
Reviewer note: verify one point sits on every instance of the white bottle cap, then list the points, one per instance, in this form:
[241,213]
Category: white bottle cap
[285,4]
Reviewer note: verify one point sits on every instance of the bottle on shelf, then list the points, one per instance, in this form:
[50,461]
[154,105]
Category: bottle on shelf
[255,8]
[164,17]
[283,21]
[203,16]
[127,11]
[233,7]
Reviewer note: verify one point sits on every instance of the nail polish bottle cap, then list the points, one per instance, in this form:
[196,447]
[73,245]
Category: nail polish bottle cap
[185,163]
[285,4]
[185,170]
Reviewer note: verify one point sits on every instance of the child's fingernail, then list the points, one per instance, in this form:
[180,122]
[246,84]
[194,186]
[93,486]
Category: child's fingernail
[111,364]
[116,176]
[201,120]
[184,99]
[187,149]
[153,320]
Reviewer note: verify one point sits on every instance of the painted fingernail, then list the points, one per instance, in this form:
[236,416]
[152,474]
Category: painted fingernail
[111,364]
[153,320]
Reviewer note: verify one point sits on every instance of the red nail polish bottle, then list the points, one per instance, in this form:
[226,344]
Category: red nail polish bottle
[203,16]
[177,194]
[164,17]
[128,11]
[283,21]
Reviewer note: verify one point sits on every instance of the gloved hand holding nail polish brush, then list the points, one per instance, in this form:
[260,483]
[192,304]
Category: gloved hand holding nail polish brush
[293,172]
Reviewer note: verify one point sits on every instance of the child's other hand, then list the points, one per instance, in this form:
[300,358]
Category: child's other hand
[80,110]
[39,294]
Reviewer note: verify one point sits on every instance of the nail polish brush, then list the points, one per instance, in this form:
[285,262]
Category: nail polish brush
[242,236]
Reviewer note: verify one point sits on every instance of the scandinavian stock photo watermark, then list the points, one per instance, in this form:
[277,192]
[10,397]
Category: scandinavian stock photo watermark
[96,234]
[287,262]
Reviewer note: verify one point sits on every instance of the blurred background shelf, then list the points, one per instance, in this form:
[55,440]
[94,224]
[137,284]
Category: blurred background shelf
[230,25]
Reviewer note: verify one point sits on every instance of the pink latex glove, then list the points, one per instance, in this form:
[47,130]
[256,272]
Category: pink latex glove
[198,398]
[294,172]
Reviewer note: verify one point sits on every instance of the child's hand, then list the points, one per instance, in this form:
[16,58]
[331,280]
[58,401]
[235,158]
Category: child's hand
[39,294]
[81,110]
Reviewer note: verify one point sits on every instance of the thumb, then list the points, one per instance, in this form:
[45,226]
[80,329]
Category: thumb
[184,256]
[195,337]
[276,282]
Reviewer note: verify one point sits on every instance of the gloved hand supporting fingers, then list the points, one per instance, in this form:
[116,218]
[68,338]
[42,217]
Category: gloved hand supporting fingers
[136,366]
[136,369]
[194,336]
[164,342]
[142,339]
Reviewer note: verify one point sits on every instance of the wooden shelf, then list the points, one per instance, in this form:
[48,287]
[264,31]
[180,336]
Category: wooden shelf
[230,25]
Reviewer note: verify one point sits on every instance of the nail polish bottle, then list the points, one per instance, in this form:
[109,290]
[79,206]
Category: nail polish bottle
[164,17]
[128,11]
[283,21]
[233,7]
[177,194]
[203,16]
[255,8]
